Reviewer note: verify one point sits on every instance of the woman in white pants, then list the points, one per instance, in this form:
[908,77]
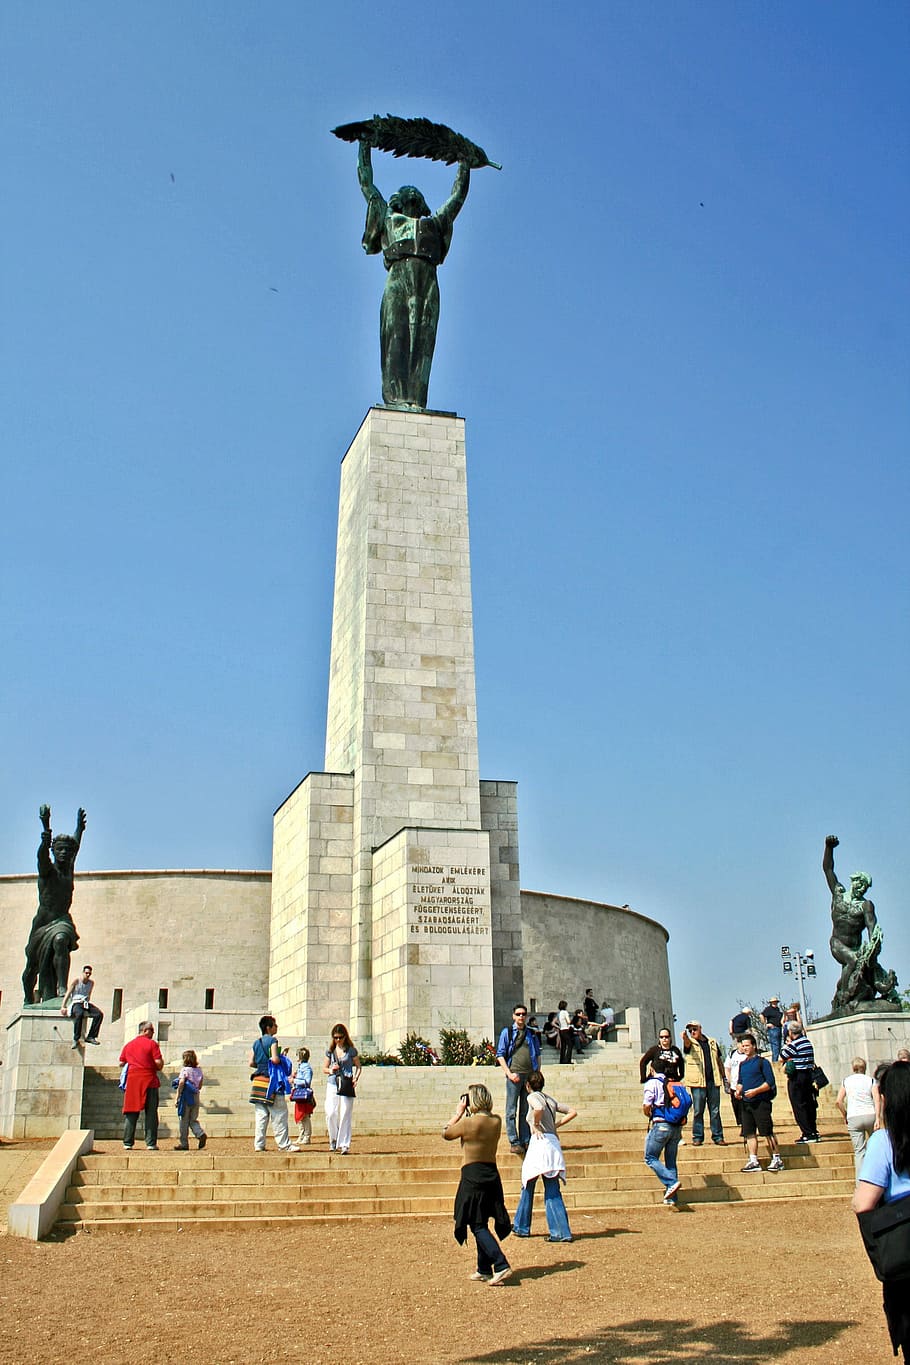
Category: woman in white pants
[342,1066]
[856,1103]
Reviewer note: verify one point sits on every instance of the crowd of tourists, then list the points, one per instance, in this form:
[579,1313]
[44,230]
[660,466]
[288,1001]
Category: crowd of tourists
[680,1083]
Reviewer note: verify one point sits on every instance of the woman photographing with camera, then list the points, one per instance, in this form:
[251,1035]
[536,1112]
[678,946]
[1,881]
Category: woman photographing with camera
[480,1196]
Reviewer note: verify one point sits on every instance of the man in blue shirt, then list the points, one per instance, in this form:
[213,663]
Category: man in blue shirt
[518,1053]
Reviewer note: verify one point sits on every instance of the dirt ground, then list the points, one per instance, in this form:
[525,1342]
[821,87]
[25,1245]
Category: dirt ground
[749,1283]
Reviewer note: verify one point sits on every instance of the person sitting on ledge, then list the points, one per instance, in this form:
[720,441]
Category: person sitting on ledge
[78,1003]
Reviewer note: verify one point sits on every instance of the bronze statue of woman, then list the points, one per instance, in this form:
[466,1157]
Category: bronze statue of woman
[413,243]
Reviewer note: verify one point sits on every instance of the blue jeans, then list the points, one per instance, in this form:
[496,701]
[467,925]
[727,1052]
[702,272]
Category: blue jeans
[774,1035]
[555,1209]
[663,1140]
[517,1099]
[489,1253]
[709,1095]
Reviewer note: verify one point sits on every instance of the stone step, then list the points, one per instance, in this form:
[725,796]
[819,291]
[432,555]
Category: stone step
[313,1188]
[193,1167]
[237,1188]
[152,1213]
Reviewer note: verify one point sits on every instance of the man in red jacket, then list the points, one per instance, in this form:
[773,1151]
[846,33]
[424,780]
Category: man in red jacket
[141,1095]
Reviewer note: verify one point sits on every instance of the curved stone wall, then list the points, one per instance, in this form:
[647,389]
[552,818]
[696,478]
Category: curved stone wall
[570,944]
[188,932]
[184,932]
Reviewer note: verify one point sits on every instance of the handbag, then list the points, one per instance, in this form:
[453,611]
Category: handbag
[302,1094]
[259,1090]
[345,1085]
[886,1234]
[819,1079]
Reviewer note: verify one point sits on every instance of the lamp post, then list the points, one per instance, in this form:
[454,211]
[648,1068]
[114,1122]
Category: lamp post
[803,964]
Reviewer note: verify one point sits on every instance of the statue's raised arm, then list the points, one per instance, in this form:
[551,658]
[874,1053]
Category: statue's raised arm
[453,205]
[831,843]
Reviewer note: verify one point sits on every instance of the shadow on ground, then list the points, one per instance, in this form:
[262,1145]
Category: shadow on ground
[649,1341]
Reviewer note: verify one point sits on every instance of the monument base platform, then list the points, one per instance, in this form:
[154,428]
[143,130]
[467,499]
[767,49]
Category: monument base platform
[875,1036]
[41,1079]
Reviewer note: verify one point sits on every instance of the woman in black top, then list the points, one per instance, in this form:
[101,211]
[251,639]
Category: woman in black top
[666,1057]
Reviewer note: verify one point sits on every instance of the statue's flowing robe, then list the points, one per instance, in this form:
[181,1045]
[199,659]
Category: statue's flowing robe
[412,248]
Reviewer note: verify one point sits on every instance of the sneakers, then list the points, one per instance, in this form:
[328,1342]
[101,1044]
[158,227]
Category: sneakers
[751,1165]
[95,1042]
[292,1147]
[775,1164]
[203,1139]
[75,1047]
[816,1137]
[499,1275]
[671,1192]
[560,1239]
[479,1276]
[804,1141]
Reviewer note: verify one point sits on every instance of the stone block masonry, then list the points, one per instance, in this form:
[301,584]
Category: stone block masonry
[402,733]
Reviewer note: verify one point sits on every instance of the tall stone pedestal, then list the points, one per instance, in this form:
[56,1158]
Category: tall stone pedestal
[876,1037]
[395,891]
[41,1077]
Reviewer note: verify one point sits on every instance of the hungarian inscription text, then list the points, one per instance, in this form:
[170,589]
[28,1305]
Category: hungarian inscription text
[447,899]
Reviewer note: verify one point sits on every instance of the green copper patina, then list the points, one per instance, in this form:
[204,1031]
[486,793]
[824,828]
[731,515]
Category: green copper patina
[53,936]
[413,242]
[864,984]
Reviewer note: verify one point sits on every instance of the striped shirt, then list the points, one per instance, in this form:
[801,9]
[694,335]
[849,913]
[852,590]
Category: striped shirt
[799,1051]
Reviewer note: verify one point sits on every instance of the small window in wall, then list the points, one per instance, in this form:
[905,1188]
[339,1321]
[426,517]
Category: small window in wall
[210,997]
[533,1005]
[162,998]
[117,1004]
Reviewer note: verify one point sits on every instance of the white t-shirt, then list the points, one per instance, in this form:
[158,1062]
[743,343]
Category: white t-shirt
[732,1065]
[564,1020]
[859,1095]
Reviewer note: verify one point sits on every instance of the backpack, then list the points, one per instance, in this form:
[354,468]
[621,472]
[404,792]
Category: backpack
[676,1105]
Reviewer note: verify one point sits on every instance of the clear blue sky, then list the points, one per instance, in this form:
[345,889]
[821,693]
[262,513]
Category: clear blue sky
[677,326]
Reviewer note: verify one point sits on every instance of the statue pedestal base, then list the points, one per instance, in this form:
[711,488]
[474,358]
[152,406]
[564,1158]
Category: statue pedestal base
[41,1077]
[396,902]
[875,1035]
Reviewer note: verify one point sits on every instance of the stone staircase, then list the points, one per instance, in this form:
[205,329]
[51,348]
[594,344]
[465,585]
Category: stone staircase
[390,1176]
[127,1190]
